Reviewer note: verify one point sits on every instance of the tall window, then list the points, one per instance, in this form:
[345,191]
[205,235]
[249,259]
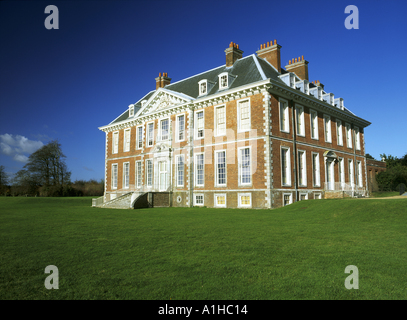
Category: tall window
[181,127]
[339,132]
[348,135]
[244,166]
[200,124]
[341,171]
[350,171]
[114,176]
[150,134]
[199,169]
[315,169]
[327,127]
[126,146]
[220,158]
[180,171]
[138,174]
[164,126]
[115,142]
[299,112]
[221,120]
[244,116]
[314,124]
[126,175]
[302,170]
[139,138]
[149,172]
[357,138]
[284,125]
[285,167]
[359,173]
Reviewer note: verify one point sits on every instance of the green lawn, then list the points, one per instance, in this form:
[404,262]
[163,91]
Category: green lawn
[382,194]
[297,252]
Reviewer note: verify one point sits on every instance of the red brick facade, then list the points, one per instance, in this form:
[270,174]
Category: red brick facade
[233,182]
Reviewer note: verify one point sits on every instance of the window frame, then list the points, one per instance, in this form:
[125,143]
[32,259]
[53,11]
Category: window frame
[359,175]
[216,204]
[126,186]
[314,135]
[138,173]
[357,138]
[216,124]
[217,184]
[291,198]
[177,131]
[148,174]
[329,127]
[349,143]
[196,169]
[115,142]
[196,124]
[161,130]
[148,138]
[282,103]
[139,137]
[239,115]
[200,83]
[114,177]
[316,172]
[203,199]
[301,194]
[240,169]
[239,201]
[288,170]
[339,132]
[302,173]
[351,173]
[125,149]
[300,126]
[177,157]
[223,74]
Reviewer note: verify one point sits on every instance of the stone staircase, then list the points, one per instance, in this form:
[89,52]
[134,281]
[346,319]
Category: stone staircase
[122,202]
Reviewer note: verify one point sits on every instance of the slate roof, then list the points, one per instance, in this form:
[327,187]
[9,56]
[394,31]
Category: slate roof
[245,70]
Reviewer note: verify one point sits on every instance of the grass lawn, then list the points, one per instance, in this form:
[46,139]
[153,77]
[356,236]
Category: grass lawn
[297,252]
[381,194]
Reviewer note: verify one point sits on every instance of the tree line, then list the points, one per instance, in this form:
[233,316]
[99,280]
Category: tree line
[46,174]
[395,175]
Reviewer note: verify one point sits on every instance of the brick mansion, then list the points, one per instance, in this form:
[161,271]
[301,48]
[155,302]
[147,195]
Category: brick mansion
[246,134]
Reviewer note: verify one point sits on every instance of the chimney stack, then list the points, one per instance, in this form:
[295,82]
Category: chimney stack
[299,67]
[162,81]
[319,84]
[232,54]
[271,53]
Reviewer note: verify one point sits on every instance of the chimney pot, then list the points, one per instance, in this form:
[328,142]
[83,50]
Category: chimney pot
[275,41]
[289,61]
[268,44]
[302,58]
[261,46]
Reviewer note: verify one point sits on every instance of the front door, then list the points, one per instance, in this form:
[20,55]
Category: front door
[330,175]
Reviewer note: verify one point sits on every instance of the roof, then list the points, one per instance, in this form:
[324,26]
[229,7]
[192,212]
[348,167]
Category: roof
[244,71]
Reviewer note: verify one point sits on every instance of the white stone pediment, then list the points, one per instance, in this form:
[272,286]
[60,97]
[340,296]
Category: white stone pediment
[163,99]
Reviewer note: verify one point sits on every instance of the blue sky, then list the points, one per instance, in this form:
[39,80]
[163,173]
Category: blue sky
[63,84]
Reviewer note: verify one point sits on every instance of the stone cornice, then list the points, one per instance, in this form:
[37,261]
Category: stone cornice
[226,96]
[310,101]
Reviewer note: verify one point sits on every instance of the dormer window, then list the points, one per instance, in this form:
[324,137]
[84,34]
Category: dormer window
[143,103]
[223,81]
[203,87]
[131,110]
